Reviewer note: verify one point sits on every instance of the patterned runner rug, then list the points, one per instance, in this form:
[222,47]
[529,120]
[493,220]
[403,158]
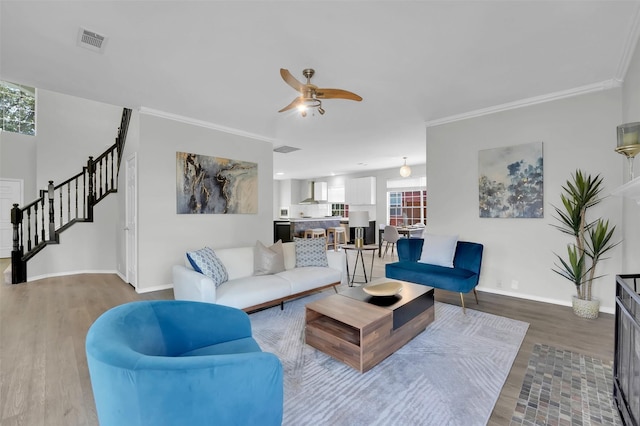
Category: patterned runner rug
[451,374]
[566,388]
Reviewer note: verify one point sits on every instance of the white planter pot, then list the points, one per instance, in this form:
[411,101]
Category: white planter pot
[586,308]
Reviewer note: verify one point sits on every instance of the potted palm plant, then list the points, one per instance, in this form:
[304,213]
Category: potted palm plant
[592,240]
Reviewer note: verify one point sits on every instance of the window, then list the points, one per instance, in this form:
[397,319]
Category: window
[407,207]
[407,201]
[340,209]
[17,108]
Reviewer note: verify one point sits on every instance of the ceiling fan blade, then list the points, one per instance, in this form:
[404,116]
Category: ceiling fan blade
[291,80]
[336,94]
[292,105]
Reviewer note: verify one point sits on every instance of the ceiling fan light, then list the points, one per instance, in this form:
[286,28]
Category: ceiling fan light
[405,171]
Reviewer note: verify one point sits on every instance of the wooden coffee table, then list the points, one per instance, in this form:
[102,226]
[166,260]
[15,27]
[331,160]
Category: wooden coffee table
[361,330]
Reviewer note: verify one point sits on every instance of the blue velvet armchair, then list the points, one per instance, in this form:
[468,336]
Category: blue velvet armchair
[462,278]
[174,362]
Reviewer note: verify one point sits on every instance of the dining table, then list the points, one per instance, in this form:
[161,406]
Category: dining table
[405,231]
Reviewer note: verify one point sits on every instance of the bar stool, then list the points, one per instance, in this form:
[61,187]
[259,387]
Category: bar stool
[315,233]
[338,233]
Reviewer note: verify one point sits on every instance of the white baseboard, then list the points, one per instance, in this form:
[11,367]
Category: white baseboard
[154,288]
[148,289]
[62,274]
[606,310]
[122,277]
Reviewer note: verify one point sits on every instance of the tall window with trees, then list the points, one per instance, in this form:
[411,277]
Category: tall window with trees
[17,108]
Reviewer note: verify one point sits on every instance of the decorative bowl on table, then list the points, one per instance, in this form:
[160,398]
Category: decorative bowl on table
[390,288]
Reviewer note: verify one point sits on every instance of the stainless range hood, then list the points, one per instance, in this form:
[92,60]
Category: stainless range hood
[311,199]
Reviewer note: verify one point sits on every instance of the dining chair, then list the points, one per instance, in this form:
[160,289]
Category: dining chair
[391,236]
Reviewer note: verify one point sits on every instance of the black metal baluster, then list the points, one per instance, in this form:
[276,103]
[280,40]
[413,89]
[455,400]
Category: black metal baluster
[76,197]
[43,235]
[35,222]
[29,229]
[68,202]
[52,224]
[101,179]
[84,193]
[91,195]
[112,161]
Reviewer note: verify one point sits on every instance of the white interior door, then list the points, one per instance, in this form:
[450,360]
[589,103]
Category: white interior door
[131,213]
[10,193]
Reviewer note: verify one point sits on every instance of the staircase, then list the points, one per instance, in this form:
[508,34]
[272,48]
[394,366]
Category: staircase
[40,222]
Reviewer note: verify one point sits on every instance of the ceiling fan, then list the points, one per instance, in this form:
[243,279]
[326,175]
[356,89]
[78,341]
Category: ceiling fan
[310,94]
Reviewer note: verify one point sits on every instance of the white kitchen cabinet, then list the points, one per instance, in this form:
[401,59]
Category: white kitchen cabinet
[361,191]
[320,191]
[336,194]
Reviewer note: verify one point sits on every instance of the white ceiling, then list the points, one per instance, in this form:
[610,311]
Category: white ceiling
[413,62]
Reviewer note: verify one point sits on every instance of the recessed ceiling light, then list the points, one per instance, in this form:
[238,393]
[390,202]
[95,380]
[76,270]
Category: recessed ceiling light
[279,173]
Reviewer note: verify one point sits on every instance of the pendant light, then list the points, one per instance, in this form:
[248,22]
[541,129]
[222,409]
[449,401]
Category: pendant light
[405,171]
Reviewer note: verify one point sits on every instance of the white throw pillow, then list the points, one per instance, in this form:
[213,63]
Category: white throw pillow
[289,250]
[439,249]
[268,260]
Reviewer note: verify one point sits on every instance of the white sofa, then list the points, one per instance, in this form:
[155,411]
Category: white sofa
[249,292]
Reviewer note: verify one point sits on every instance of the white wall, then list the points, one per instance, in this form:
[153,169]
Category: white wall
[84,247]
[18,161]
[577,132]
[631,212]
[164,235]
[71,129]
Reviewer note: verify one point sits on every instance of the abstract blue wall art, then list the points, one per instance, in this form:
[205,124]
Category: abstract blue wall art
[213,185]
[511,181]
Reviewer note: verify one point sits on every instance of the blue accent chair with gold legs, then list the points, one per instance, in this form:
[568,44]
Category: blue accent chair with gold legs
[176,362]
[462,278]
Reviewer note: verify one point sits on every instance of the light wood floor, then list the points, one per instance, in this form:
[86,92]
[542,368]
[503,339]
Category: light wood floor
[44,379]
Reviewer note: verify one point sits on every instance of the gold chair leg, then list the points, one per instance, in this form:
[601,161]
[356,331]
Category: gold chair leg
[475,293]
[464,311]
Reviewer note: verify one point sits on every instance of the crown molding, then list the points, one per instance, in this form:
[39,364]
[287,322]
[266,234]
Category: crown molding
[202,123]
[582,90]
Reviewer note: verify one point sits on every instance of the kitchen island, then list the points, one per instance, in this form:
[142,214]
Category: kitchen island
[297,226]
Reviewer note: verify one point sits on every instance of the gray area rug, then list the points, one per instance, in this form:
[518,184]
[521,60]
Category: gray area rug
[565,388]
[451,374]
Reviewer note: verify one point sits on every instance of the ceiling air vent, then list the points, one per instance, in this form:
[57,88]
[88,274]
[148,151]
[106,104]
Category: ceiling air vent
[284,149]
[91,40]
